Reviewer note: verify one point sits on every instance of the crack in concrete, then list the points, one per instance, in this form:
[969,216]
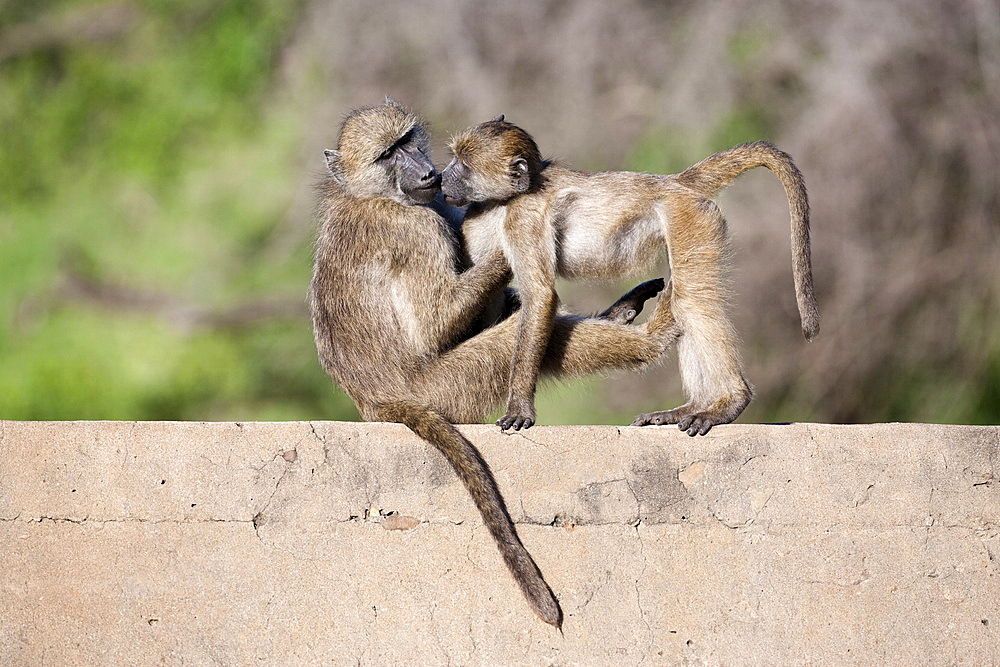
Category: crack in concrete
[321,439]
[522,435]
[437,637]
[472,635]
[258,517]
[129,519]
[128,439]
[360,462]
[993,564]
[811,435]
[762,508]
[638,592]
[560,521]
[865,495]
[468,546]
[370,636]
[638,503]
[594,591]
[986,526]
[722,522]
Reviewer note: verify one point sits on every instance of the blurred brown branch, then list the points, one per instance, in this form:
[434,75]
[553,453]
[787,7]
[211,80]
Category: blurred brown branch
[82,25]
[178,311]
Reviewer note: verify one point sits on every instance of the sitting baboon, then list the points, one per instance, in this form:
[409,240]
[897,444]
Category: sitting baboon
[390,312]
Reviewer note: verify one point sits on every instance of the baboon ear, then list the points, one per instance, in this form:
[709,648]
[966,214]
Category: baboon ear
[331,159]
[333,164]
[497,119]
[519,176]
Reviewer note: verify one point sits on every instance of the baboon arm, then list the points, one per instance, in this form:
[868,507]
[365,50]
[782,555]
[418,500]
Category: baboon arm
[468,295]
[533,330]
[532,253]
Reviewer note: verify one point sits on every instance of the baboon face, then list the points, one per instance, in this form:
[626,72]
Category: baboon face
[408,165]
[493,161]
[456,184]
[384,151]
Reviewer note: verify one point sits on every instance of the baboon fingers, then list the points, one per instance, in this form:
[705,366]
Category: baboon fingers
[515,422]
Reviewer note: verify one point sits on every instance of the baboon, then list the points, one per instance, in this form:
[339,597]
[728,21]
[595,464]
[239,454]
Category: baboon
[550,220]
[390,311]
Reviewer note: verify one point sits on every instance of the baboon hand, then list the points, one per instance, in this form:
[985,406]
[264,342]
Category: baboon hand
[515,422]
[517,417]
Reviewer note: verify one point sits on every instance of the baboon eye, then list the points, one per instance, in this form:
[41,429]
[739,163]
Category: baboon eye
[402,141]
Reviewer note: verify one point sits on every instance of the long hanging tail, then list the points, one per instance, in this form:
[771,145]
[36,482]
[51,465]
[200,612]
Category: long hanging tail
[468,463]
[717,171]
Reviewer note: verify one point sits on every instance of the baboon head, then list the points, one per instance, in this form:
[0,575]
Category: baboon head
[493,161]
[384,151]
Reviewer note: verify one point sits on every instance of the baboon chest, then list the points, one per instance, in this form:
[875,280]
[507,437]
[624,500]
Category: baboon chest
[483,233]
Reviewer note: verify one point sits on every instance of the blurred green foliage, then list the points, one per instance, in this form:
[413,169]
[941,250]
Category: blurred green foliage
[145,184]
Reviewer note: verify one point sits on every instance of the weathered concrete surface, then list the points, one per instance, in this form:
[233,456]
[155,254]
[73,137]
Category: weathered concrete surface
[267,543]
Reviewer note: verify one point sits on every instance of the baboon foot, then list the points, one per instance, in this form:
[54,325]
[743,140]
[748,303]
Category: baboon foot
[692,423]
[700,422]
[660,417]
[628,307]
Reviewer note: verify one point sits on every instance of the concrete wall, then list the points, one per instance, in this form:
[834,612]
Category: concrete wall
[348,543]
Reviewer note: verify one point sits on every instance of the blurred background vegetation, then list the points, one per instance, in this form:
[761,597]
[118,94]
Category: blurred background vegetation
[156,161]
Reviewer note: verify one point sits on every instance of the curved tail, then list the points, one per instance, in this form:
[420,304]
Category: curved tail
[468,463]
[717,171]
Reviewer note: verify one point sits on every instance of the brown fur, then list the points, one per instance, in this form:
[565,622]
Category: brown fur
[390,313]
[552,221]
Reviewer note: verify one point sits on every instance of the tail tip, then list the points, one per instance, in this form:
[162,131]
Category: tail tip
[809,313]
[551,613]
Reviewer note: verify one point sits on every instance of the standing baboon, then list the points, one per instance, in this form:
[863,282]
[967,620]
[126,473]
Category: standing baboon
[389,309]
[550,220]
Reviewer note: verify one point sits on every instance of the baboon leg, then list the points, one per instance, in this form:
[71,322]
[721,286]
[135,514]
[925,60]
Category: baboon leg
[708,346]
[662,324]
[576,347]
[622,311]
